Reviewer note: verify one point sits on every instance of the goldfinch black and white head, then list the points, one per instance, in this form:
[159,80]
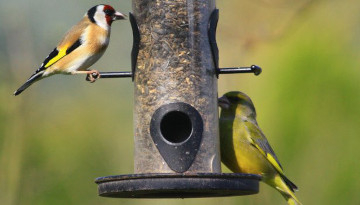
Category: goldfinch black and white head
[80,48]
[104,15]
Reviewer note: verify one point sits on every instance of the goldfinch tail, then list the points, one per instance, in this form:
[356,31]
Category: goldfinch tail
[30,81]
[282,186]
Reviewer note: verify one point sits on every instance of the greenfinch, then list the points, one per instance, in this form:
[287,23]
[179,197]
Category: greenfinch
[244,147]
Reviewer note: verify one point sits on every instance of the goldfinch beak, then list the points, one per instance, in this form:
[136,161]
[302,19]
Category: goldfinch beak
[224,103]
[118,16]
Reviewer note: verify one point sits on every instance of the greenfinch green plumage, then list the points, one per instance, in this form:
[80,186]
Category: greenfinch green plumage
[244,147]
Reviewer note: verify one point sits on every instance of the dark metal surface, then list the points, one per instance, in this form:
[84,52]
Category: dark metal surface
[115,74]
[178,185]
[252,69]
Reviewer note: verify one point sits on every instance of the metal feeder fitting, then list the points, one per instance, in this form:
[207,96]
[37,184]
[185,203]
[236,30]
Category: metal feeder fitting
[175,71]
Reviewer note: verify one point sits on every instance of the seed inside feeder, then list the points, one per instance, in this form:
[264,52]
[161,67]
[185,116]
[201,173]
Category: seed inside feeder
[175,64]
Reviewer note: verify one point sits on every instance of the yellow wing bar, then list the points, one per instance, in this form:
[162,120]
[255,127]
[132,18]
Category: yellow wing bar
[57,57]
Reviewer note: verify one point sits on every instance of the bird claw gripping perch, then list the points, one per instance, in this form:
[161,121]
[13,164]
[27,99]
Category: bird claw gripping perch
[92,77]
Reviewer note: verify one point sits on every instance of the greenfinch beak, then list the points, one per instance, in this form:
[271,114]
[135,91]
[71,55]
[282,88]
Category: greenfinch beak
[224,102]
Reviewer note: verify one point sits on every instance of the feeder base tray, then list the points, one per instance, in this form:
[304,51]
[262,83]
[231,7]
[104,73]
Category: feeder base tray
[178,185]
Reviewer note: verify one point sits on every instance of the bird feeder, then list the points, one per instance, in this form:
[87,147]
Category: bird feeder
[175,73]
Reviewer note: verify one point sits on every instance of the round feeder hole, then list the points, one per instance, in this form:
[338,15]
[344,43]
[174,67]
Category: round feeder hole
[176,127]
[177,130]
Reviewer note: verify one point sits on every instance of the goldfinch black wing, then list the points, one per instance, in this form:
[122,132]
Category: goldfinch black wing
[57,54]
[70,42]
[52,58]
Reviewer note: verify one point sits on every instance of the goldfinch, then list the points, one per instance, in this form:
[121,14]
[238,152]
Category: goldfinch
[244,148]
[80,48]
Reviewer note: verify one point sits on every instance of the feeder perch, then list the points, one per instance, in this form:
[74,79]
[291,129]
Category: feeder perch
[175,70]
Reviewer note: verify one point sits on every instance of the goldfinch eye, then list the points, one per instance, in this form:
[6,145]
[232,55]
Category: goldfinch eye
[109,12]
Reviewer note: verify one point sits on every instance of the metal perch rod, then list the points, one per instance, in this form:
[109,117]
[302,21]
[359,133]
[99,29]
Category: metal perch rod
[115,74]
[252,69]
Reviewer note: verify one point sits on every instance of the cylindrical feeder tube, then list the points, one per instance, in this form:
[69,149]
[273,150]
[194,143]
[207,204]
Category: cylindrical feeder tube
[175,81]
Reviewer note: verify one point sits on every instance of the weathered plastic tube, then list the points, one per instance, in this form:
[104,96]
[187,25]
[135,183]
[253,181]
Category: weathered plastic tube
[175,114]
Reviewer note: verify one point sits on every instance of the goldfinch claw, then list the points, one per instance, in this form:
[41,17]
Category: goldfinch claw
[93,76]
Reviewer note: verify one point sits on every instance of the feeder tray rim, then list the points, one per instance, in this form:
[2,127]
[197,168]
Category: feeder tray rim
[100,180]
[183,185]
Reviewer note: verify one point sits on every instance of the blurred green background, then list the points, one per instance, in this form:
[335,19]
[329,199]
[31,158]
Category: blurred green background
[63,132]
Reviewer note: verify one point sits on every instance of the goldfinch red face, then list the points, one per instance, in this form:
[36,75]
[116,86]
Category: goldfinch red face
[104,15]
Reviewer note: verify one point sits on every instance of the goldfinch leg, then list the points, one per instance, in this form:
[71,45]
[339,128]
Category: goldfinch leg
[92,75]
